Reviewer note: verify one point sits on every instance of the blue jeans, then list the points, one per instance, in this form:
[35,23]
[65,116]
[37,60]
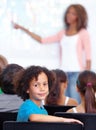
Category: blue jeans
[71,89]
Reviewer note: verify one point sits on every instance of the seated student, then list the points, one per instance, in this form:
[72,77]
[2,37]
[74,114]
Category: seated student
[86,86]
[56,95]
[33,87]
[3,64]
[9,101]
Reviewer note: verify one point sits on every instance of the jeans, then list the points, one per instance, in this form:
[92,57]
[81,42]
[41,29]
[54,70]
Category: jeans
[71,89]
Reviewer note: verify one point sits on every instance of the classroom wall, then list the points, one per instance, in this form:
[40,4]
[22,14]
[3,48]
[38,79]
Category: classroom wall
[44,17]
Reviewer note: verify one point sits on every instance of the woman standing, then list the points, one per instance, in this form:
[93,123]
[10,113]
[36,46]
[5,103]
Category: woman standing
[74,42]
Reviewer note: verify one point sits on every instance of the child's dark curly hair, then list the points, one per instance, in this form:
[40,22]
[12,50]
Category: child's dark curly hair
[27,76]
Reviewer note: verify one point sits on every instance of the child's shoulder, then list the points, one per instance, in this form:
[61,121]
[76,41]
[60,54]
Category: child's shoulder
[72,110]
[72,102]
[27,102]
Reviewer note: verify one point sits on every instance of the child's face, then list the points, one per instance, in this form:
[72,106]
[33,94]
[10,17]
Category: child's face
[38,90]
[71,16]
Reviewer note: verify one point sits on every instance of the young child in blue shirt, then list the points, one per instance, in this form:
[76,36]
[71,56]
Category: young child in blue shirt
[33,86]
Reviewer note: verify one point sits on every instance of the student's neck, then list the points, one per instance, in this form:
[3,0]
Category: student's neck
[62,91]
[62,96]
[61,99]
[82,101]
[37,102]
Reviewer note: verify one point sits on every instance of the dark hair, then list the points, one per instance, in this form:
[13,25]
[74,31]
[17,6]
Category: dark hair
[7,76]
[54,94]
[86,84]
[81,14]
[27,76]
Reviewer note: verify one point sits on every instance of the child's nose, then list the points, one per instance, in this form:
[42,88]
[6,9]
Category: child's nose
[41,87]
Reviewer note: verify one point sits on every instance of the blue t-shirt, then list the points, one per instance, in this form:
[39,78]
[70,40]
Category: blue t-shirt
[28,108]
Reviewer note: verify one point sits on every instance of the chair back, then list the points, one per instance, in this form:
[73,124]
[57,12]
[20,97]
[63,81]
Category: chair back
[51,109]
[7,116]
[89,120]
[13,125]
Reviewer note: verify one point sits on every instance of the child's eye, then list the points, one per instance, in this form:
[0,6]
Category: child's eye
[35,85]
[45,84]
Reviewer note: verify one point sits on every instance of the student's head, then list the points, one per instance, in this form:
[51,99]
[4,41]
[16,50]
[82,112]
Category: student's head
[34,83]
[7,77]
[61,78]
[76,13]
[59,85]
[3,62]
[86,85]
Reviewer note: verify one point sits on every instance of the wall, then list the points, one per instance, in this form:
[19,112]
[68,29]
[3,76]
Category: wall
[44,17]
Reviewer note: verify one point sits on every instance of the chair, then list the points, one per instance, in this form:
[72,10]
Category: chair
[13,125]
[6,116]
[51,109]
[88,119]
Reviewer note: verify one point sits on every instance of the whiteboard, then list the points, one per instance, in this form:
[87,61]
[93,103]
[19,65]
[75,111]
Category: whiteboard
[44,17]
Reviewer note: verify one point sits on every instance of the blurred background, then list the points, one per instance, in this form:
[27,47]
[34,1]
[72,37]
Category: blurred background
[44,17]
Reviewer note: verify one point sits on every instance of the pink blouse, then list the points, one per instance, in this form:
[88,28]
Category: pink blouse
[83,44]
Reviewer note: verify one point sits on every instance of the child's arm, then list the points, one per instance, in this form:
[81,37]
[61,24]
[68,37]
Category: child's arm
[72,102]
[47,118]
